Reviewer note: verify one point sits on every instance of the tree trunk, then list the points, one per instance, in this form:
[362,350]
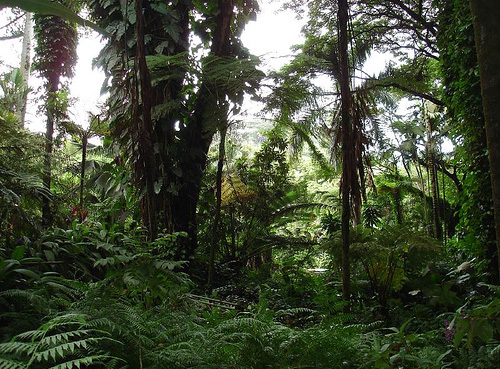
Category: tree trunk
[170,148]
[53,88]
[397,205]
[145,128]
[347,147]
[431,165]
[218,189]
[422,185]
[445,220]
[197,138]
[82,173]
[487,37]
[25,67]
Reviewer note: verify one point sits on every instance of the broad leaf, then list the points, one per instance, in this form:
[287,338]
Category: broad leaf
[51,8]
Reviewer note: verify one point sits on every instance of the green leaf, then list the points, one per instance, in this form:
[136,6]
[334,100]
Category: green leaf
[442,356]
[384,347]
[104,262]
[103,180]
[462,329]
[480,328]
[51,8]
[49,255]
[60,351]
[18,253]
[405,324]
[28,273]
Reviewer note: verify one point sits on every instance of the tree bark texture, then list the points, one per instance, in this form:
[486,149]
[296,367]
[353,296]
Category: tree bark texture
[53,88]
[142,119]
[197,137]
[348,162]
[431,165]
[487,38]
[55,58]
[85,141]
[218,202]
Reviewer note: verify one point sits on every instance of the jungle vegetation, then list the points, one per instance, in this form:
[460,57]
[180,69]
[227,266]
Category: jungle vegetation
[338,231]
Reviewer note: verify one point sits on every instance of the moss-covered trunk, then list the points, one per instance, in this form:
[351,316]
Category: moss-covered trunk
[487,37]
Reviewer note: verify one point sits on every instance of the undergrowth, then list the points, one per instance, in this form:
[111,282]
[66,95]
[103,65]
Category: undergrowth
[140,314]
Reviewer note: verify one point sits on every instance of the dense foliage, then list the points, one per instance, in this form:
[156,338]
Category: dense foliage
[163,249]
[463,98]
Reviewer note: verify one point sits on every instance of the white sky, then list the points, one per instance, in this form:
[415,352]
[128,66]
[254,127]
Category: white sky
[85,85]
[272,34]
[270,37]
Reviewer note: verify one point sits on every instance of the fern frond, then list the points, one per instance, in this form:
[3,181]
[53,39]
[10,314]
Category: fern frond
[11,364]
[24,295]
[104,324]
[15,347]
[243,323]
[69,318]
[184,335]
[63,337]
[60,339]
[31,335]
[85,361]
[61,351]
[296,311]
[167,264]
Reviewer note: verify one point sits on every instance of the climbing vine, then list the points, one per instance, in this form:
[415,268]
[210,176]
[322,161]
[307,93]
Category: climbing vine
[463,98]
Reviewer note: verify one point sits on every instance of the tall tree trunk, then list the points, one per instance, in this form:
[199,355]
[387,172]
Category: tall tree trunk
[82,173]
[233,233]
[198,136]
[25,67]
[445,219]
[53,88]
[397,197]
[218,196]
[487,36]
[348,164]
[431,164]
[55,58]
[145,128]
[397,205]
[438,231]
[422,185]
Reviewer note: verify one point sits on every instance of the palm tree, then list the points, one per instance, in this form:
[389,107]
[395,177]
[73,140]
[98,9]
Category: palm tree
[348,155]
[430,148]
[96,128]
[14,92]
[306,109]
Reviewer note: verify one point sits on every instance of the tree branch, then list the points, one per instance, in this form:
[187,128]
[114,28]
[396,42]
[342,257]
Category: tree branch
[423,95]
